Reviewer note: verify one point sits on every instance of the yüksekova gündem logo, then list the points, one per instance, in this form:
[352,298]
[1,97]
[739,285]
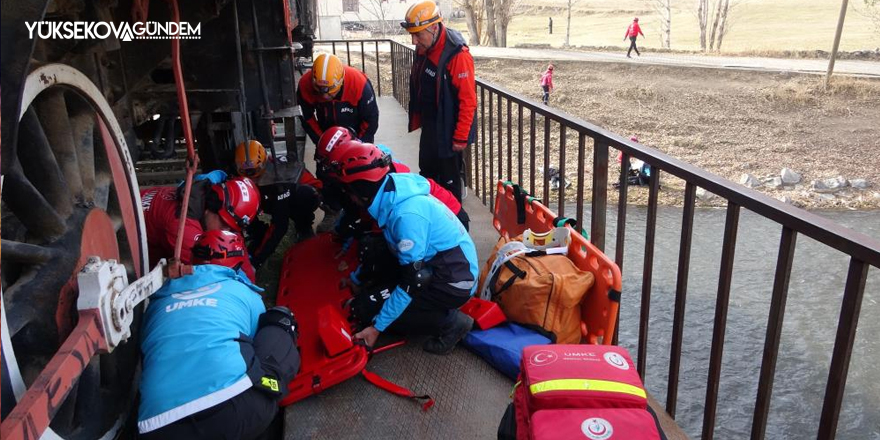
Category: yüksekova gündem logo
[100,30]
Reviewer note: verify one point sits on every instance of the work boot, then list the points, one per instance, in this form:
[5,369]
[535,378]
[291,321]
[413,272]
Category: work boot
[329,221]
[450,334]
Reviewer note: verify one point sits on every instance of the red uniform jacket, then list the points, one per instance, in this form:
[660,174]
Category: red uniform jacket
[160,206]
[355,108]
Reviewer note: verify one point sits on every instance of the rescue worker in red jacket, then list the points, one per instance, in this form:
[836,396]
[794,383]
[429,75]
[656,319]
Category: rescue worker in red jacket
[632,32]
[332,93]
[231,205]
[443,95]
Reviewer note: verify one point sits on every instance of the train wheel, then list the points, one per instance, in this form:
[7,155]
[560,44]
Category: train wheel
[69,191]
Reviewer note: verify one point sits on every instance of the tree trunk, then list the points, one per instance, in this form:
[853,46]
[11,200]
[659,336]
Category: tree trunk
[669,24]
[500,20]
[718,6]
[473,29]
[568,25]
[723,28]
[490,22]
[702,18]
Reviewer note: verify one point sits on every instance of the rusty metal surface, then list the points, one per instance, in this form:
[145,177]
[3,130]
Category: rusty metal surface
[470,399]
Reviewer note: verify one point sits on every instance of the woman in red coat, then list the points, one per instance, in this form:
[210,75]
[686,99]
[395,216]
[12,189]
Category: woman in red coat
[632,32]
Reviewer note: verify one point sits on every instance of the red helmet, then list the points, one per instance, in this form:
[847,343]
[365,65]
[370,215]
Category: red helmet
[239,202]
[332,138]
[219,247]
[361,161]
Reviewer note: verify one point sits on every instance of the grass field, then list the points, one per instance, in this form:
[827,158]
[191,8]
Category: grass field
[757,25]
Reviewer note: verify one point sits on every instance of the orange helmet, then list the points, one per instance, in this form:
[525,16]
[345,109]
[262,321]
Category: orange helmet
[328,73]
[238,200]
[219,247]
[360,161]
[420,16]
[250,159]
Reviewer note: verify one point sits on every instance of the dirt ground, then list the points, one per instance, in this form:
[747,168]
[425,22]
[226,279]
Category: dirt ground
[727,122]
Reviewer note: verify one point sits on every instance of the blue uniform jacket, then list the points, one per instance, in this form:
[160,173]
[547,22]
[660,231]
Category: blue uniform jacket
[192,358]
[419,227]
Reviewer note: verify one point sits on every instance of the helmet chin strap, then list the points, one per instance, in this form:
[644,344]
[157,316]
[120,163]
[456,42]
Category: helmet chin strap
[434,35]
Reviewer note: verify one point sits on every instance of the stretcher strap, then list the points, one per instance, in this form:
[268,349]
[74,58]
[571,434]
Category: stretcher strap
[586,385]
[394,388]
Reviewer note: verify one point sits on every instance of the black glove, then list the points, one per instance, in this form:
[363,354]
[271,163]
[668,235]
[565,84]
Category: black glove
[366,305]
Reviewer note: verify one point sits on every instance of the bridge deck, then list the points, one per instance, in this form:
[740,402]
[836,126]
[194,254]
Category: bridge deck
[470,395]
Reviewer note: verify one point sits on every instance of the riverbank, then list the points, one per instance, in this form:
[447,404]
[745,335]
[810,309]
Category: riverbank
[731,123]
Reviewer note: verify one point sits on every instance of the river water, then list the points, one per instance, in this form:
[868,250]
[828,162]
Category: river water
[811,316]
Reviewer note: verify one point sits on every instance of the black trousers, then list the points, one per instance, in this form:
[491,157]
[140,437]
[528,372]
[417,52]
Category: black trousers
[428,313]
[245,416]
[446,171]
[248,414]
[632,46]
[546,96]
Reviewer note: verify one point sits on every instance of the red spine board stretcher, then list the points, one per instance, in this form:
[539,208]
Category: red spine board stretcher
[310,287]
[600,306]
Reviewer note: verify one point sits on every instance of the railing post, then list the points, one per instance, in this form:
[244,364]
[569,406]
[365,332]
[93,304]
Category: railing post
[519,169]
[500,140]
[562,176]
[533,160]
[648,271]
[853,293]
[582,146]
[600,193]
[378,72]
[546,191]
[394,79]
[774,331]
[684,259]
[728,250]
[483,144]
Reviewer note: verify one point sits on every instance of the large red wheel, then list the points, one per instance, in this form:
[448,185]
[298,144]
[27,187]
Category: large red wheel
[69,191]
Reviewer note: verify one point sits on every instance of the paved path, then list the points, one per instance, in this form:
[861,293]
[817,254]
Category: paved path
[812,66]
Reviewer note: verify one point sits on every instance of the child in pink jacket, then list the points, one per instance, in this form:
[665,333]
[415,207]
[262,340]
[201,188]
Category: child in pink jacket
[547,83]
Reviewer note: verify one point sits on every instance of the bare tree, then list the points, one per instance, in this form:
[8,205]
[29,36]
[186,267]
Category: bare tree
[703,20]
[717,5]
[473,13]
[724,26]
[568,24]
[664,8]
[505,10]
[377,10]
[490,22]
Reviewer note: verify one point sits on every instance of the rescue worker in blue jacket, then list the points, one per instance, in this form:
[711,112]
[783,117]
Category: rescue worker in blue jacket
[215,362]
[438,260]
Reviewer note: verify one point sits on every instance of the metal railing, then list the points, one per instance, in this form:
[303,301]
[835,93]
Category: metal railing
[502,149]
[362,50]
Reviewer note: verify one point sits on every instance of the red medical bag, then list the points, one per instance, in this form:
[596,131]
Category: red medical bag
[594,424]
[580,376]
